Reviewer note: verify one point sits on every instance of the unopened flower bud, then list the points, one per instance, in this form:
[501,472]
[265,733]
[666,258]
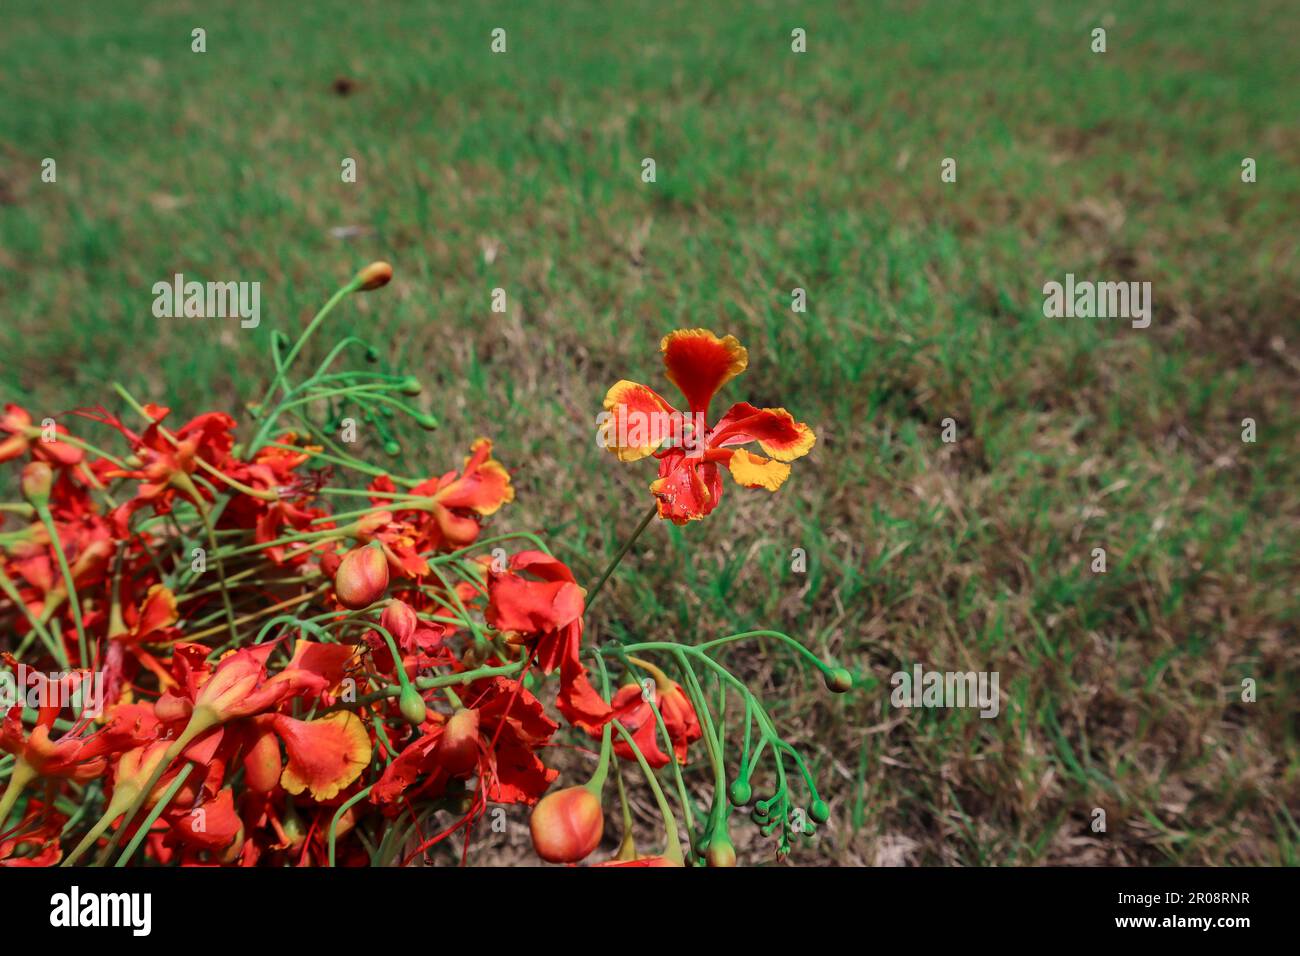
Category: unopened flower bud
[721,852]
[411,704]
[457,751]
[399,619]
[37,479]
[362,577]
[374,276]
[838,680]
[567,825]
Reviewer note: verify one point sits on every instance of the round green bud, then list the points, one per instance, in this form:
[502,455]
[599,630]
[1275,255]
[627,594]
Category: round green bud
[740,793]
[411,385]
[392,449]
[412,706]
[838,680]
[819,811]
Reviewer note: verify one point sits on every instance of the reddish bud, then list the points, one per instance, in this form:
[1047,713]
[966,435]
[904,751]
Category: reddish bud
[399,620]
[374,276]
[567,825]
[457,751]
[262,764]
[362,577]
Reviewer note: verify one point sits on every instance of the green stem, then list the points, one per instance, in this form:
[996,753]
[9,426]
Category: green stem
[278,380]
[153,816]
[338,814]
[673,849]
[18,781]
[55,647]
[627,546]
[47,519]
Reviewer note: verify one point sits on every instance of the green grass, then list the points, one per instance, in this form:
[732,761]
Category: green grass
[521,171]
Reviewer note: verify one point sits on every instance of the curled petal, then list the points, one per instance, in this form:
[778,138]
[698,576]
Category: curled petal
[159,611]
[775,430]
[484,485]
[213,826]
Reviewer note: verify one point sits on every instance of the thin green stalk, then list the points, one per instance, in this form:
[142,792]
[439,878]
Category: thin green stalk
[627,546]
[154,814]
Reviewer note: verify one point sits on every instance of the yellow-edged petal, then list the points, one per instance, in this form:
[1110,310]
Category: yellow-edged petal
[699,363]
[636,421]
[755,471]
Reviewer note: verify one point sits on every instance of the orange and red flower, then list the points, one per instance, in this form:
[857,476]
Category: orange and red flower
[633,709]
[539,603]
[19,435]
[638,422]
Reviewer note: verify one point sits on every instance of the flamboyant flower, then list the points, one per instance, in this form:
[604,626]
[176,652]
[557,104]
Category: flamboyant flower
[446,511]
[35,842]
[239,685]
[496,735]
[38,753]
[130,630]
[212,827]
[539,603]
[638,422]
[567,825]
[632,708]
[282,507]
[162,467]
[18,435]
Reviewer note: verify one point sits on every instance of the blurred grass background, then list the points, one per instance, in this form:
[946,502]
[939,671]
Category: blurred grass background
[1121,691]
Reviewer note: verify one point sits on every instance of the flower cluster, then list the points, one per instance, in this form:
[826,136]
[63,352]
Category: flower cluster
[245,645]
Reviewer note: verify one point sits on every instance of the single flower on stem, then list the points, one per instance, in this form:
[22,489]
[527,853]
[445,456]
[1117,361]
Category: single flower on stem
[638,422]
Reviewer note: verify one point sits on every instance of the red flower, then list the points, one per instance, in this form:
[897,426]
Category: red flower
[239,685]
[496,735]
[632,709]
[540,603]
[164,466]
[325,755]
[23,436]
[40,843]
[638,422]
[70,755]
[212,826]
[446,514]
